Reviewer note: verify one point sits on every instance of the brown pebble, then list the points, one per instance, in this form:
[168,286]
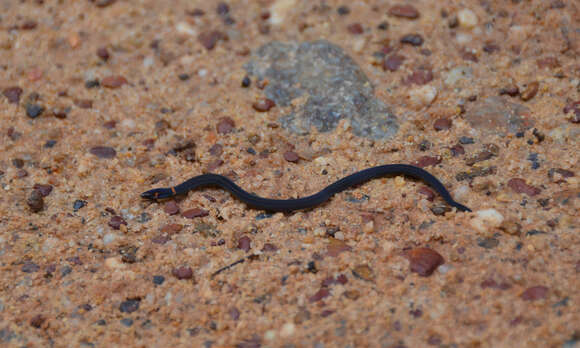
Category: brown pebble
[393,62]
[245,243]
[35,201]
[225,125]
[512,91]
[116,222]
[424,261]
[352,294]
[183,272]
[291,156]
[430,195]
[520,186]
[103,3]
[44,190]
[110,124]
[114,81]
[60,112]
[466,55]
[355,28]
[213,165]
[81,103]
[161,239]
[195,213]
[530,91]
[103,53]
[22,173]
[263,105]
[209,39]
[548,62]
[319,295]
[234,313]
[535,293]
[216,150]
[336,246]
[171,228]
[420,77]
[404,11]
[457,150]
[13,94]
[171,208]
[302,316]
[442,124]
[268,247]
[37,321]
[103,152]
[364,272]
[426,161]
[18,163]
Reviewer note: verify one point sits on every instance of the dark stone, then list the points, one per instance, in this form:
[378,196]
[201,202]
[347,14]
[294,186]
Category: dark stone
[78,204]
[158,279]
[34,110]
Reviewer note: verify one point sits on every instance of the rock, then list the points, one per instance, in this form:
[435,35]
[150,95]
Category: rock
[487,219]
[467,18]
[331,84]
[494,113]
[424,261]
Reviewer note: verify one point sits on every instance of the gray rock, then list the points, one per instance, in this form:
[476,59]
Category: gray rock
[333,86]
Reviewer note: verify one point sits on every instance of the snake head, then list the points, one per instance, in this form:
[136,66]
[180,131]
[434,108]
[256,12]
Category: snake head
[158,193]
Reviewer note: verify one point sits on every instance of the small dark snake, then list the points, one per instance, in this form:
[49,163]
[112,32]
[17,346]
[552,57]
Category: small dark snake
[287,205]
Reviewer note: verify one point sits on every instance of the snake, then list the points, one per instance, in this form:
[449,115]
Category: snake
[289,205]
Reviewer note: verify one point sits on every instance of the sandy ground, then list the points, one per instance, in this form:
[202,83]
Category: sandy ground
[102,100]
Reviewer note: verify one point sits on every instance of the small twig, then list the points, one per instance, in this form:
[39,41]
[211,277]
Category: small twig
[225,268]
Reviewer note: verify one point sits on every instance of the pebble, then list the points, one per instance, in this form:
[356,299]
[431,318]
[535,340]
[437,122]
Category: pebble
[109,238]
[103,53]
[13,94]
[486,220]
[404,11]
[426,161]
[114,81]
[494,113]
[442,124]
[424,261]
[343,10]
[37,321]
[171,208]
[130,305]
[393,62]
[34,110]
[35,201]
[530,91]
[158,279]
[226,125]
[246,82]
[105,152]
[195,213]
[183,272]
[268,247]
[467,18]
[30,267]
[466,140]
[287,330]
[355,28]
[245,243]
[78,204]
[520,186]
[291,156]
[364,272]
[209,39]
[535,293]
[412,39]
[488,243]
[423,96]
[319,295]
[264,105]
[116,221]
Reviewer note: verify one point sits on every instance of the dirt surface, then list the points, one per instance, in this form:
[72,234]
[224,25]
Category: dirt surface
[101,100]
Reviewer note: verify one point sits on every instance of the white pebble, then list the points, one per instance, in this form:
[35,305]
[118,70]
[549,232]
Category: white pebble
[279,10]
[114,263]
[288,330]
[457,74]
[486,219]
[148,61]
[109,238]
[423,96]
[184,28]
[467,18]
